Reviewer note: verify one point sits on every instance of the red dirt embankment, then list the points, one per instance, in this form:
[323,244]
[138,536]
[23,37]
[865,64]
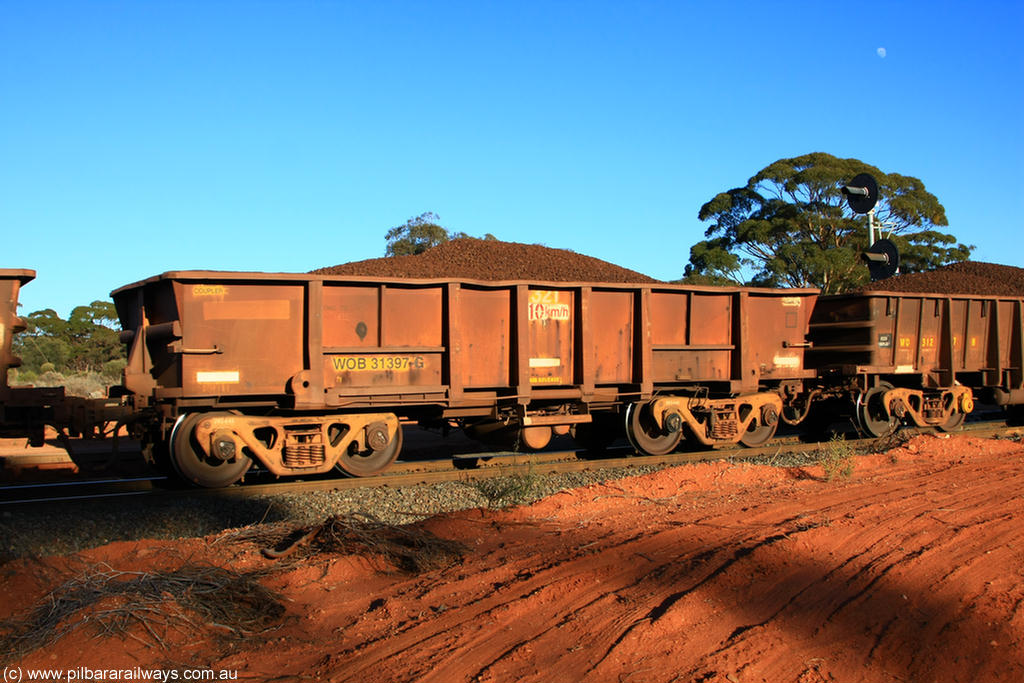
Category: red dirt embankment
[911,570]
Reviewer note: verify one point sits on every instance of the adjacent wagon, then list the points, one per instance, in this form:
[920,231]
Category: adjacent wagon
[24,411]
[919,357]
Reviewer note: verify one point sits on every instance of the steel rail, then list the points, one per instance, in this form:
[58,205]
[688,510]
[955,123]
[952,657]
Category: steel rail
[489,464]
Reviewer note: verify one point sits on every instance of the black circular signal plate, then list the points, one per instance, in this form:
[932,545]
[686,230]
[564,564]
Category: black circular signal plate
[886,267]
[861,203]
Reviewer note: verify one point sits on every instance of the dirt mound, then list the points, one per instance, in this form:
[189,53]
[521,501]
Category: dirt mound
[966,277]
[476,259]
[910,570]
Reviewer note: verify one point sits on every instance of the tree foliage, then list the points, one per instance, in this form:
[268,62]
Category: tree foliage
[790,226]
[419,234]
[86,342]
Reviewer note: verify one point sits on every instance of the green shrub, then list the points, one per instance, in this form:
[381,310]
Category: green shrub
[20,377]
[88,384]
[16,376]
[837,458]
[112,369]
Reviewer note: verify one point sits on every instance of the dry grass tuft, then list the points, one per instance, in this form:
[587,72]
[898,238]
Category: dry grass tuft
[507,490]
[408,548]
[189,599]
[885,444]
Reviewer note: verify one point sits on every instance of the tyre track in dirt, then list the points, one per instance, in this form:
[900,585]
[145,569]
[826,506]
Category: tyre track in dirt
[881,564]
[492,597]
[741,592]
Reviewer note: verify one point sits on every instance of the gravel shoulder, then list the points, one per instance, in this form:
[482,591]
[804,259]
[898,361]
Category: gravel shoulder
[69,527]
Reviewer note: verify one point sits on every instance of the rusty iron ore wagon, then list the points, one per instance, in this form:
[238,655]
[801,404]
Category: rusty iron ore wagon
[308,372]
[25,412]
[918,357]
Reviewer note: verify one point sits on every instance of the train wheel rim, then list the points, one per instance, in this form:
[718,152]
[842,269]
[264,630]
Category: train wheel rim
[193,465]
[644,433]
[758,434]
[871,413]
[954,422]
[368,463]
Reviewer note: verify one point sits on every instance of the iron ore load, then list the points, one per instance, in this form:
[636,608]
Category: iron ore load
[308,372]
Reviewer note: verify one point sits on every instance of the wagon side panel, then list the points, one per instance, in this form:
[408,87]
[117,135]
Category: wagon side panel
[482,338]
[774,343]
[691,336]
[379,338]
[610,352]
[549,351]
[239,338]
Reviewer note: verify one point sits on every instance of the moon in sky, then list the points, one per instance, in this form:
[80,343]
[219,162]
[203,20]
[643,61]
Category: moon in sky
[881,52]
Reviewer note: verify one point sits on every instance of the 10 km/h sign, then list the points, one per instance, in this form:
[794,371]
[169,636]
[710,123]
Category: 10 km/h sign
[546,305]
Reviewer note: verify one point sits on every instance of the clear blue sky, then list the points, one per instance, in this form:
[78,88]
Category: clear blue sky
[140,137]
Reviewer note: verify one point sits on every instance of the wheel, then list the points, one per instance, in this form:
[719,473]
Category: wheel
[194,465]
[372,461]
[872,415]
[644,433]
[758,434]
[954,422]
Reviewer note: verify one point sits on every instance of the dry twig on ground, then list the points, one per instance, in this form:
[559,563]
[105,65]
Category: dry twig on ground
[189,598]
[406,547]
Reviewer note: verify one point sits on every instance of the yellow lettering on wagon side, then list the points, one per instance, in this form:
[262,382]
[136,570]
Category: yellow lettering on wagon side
[209,290]
[547,305]
[378,363]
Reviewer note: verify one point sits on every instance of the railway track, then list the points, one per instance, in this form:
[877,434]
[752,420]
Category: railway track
[465,467]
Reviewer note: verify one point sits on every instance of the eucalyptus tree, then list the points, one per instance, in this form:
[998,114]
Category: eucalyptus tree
[789,226]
